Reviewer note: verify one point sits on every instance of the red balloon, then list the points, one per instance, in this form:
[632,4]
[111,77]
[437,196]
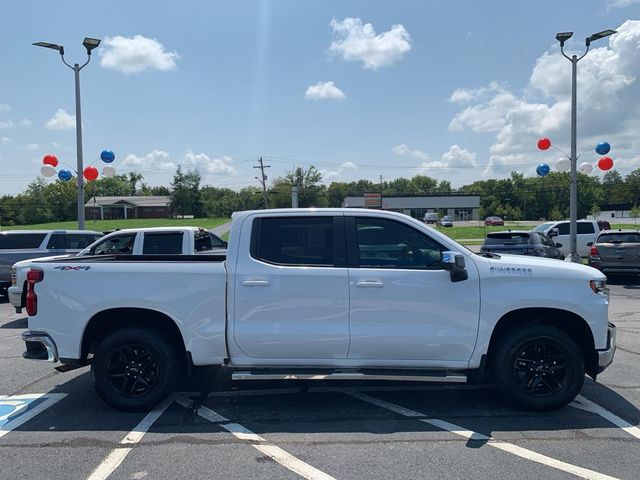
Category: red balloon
[605,163]
[50,160]
[544,143]
[90,173]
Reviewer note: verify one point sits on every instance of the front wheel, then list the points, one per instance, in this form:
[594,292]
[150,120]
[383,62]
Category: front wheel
[539,367]
[134,369]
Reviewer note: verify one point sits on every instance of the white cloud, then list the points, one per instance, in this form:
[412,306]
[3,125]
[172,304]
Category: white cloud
[61,120]
[613,4]
[157,160]
[6,124]
[32,146]
[5,140]
[452,162]
[404,150]
[4,107]
[324,91]
[607,106]
[25,122]
[356,41]
[211,166]
[135,54]
[339,172]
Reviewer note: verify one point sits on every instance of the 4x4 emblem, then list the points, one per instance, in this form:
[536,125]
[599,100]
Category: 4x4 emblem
[69,267]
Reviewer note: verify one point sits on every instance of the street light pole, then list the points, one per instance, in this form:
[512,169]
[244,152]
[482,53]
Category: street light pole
[89,44]
[573,190]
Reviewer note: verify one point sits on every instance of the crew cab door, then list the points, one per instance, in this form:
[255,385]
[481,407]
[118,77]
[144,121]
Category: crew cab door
[404,305]
[291,292]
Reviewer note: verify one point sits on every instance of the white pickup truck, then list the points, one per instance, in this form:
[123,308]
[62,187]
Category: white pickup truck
[587,231]
[347,294]
[133,241]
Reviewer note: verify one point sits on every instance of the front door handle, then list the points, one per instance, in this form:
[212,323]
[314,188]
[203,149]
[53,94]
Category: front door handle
[369,284]
[255,283]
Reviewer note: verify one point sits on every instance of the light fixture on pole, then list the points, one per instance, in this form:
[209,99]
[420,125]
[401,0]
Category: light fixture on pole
[573,195]
[90,44]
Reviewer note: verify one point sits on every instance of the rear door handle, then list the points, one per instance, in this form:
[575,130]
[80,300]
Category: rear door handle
[255,283]
[369,284]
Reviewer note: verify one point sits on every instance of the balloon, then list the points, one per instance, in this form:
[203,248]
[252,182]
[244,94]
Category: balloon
[563,164]
[107,156]
[108,171]
[585,167]
[544,143]
[47,171]
[605,163]
[603,148]
[542,169]
[65,175]
[90,173]
[50,159]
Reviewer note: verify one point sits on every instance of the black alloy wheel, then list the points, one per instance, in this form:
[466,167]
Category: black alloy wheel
[541,368]
[132,370]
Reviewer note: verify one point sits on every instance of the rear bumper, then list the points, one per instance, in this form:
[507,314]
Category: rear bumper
[605,356]
[40,346]
[15,298]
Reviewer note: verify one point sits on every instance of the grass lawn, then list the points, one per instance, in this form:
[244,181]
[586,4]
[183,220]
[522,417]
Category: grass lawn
[225,236]
[105,225]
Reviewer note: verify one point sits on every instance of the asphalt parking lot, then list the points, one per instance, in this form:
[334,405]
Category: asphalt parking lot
[345,431]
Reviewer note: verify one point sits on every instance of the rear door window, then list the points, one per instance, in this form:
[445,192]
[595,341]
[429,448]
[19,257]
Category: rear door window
[165,243]
[585,227]
[294,241]
[16,241]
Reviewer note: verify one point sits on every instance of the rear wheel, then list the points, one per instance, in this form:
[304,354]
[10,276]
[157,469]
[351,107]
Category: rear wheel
[539,367]
[135,369]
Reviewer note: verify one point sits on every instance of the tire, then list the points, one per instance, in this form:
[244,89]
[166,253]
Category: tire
[135,369]
[539,367]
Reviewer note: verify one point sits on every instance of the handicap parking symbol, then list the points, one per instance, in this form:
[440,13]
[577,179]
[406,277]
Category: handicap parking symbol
[18,409]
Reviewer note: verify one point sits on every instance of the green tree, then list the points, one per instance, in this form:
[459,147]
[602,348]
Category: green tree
[635,214]
[185,193]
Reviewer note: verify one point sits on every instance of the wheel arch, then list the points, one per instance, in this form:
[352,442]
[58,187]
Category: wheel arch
[108,321]
[570,323]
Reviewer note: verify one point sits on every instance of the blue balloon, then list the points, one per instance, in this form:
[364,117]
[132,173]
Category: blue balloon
[603,148]
[65,175]
[543,169]
[107,156]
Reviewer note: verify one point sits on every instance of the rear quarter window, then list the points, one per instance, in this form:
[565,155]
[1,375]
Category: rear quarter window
[17,241]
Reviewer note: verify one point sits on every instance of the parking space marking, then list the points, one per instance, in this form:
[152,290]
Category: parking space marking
[276,453]
[469,434]
[18,409]
[587,405]
[117,456]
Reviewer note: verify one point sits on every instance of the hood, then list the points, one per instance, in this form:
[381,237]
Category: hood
[26,263]
[547,264]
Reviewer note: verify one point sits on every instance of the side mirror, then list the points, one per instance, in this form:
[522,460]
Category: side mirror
[454,262]
[224,244]
[559,245]
[590,244]
[554,232]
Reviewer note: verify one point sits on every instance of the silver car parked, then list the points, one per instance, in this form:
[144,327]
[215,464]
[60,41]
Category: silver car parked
[616,251]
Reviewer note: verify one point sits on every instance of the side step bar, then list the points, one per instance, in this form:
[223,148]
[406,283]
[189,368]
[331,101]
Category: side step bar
[447,377]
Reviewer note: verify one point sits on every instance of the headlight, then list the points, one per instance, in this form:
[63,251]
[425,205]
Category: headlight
[14,273]
[599,286]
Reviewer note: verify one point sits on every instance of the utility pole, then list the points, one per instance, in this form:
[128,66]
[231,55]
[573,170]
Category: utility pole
[263,180]
[380,184]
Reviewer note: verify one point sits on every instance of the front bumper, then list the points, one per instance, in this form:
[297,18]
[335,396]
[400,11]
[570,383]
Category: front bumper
[605,357]
[40,346]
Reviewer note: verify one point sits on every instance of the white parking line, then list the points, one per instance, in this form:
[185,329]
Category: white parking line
[469,434]
[117,456]
[281,456]
[585,404]
[50,399]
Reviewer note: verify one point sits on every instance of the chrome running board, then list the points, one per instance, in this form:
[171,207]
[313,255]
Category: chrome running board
[445,377]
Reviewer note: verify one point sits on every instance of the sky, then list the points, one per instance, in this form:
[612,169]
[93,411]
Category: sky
[456,90]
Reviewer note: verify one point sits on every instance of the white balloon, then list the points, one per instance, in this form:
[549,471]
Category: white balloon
[108,171]
[585,168]
[47,171]
[563,164]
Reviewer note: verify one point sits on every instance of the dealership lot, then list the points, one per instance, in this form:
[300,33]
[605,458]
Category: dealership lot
[53,426]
